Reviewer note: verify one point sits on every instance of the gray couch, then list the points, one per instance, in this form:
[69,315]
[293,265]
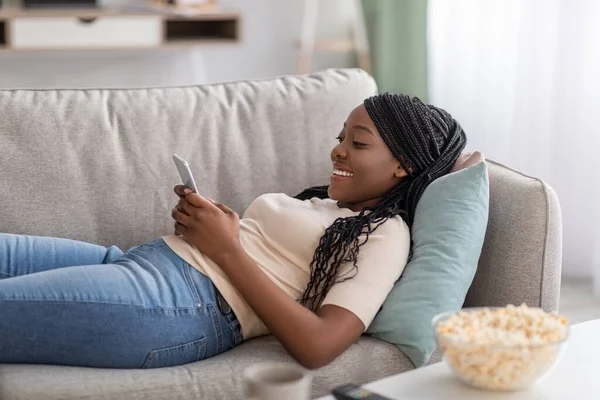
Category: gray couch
[96,165]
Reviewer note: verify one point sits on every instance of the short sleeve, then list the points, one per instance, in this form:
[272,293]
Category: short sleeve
[380,263]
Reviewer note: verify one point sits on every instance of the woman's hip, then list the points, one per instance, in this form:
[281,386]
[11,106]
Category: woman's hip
[200,291]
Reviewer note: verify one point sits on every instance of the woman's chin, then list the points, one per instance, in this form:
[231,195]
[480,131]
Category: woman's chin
[331,193]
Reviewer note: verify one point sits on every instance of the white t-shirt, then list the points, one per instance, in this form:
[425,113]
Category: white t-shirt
[281,233]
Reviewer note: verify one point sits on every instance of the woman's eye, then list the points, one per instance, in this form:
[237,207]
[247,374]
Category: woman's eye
[358,143]
[339,139]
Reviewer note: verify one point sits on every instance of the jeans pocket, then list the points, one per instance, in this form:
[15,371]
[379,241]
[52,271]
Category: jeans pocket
[176,355]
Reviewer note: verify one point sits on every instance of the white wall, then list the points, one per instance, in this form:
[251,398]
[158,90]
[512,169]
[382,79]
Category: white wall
[268,31]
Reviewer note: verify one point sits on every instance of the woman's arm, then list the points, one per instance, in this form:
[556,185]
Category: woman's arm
[312,339]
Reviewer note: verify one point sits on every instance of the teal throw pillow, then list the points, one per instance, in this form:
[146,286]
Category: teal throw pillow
[448,232]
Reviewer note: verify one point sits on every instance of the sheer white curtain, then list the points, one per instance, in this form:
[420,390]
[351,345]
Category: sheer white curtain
[523,79]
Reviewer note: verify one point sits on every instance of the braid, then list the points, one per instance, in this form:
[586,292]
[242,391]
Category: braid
[426,141]
[341,242]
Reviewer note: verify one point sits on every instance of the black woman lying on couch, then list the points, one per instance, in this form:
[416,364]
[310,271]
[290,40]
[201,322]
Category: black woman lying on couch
[312,270]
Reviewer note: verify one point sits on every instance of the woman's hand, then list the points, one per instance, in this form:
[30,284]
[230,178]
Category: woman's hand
[180,190]
[212,227]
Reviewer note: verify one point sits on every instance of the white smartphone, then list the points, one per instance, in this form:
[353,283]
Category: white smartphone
[184,171]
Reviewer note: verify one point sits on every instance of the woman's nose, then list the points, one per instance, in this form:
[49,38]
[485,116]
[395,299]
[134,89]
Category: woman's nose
[338,151]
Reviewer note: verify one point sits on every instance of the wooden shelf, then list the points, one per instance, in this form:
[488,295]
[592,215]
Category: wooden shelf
[9,11]
[191,30]
[174,43]
[3,35]
[115,28]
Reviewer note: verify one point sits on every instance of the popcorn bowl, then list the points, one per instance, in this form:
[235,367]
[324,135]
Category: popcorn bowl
[501,348]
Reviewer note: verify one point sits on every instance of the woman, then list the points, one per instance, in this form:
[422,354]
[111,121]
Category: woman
[312,270]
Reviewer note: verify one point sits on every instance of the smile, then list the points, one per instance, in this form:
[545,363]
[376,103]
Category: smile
[339,172]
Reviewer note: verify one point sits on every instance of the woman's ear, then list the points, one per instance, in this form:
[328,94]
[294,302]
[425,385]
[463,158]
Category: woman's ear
[400,172]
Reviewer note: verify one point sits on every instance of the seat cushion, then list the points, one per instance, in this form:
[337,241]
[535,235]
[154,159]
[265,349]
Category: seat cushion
[216,378]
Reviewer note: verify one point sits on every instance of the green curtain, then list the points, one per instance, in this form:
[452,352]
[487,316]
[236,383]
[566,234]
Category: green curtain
[397,31]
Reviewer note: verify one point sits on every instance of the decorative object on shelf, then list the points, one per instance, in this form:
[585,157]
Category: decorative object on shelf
[184,8]
[194,3]
[308,42]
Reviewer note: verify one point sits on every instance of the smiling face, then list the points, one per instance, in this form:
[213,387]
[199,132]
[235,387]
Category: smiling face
[364,168]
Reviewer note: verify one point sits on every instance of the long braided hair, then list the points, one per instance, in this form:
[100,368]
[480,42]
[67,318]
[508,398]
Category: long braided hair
[426,140]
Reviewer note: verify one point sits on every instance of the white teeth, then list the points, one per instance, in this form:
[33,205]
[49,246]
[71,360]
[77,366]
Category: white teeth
[342,173]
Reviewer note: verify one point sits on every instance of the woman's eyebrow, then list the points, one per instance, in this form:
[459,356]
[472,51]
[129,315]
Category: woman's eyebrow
[361,127]
[364,128]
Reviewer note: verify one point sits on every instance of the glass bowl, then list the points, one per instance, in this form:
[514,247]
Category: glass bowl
[497,367]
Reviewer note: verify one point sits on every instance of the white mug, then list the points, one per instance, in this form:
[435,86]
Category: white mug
[277,381]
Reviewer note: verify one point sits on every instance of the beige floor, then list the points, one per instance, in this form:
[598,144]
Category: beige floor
[577,301]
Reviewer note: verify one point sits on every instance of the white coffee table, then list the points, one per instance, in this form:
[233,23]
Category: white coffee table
[577,376]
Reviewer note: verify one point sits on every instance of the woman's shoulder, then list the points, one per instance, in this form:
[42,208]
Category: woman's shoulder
[273,201]
[273,197]
[394,227]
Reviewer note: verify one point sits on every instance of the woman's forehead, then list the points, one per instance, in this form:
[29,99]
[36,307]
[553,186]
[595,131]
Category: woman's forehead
[360,115]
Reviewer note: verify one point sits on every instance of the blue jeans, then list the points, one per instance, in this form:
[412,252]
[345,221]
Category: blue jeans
[73,303]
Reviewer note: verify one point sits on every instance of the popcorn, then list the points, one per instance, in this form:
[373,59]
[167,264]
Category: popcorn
[503,348]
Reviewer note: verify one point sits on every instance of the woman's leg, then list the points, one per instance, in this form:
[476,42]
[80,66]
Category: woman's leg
[148,309]
[22,255]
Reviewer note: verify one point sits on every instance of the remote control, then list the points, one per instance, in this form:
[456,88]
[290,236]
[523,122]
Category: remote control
[355,392]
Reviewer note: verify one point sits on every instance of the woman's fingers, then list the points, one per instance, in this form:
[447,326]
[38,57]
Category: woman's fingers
[194,200]
[179,216]
[198,201]
[185,207]
[180,190]
[224,208]
[181,208]
[179,229]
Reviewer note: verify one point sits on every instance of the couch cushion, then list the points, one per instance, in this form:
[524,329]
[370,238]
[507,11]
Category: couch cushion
[216,378]
[448,231]
[95,165]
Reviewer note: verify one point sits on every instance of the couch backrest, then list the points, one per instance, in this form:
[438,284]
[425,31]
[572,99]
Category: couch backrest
[96,165]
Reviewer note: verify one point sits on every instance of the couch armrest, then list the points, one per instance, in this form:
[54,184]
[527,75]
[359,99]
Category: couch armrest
[522,254]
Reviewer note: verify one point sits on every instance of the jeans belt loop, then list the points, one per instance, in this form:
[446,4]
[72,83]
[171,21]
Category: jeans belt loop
[223,305]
